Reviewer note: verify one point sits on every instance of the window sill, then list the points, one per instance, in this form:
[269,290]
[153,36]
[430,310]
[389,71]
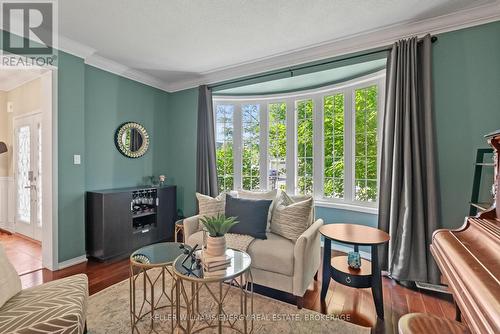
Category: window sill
[346,206]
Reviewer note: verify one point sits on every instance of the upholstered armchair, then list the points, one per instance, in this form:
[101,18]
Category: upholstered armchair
[277,262]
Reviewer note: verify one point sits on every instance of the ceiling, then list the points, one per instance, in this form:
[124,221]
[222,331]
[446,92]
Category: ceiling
[306,81]
[180,43]
[11,78]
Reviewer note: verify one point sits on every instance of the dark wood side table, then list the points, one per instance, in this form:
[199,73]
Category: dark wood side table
[368,276]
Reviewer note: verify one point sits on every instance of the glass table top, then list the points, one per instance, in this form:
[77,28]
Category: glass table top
[193,270]
[159,254]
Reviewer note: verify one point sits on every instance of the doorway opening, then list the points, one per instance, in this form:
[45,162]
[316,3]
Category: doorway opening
[26,168]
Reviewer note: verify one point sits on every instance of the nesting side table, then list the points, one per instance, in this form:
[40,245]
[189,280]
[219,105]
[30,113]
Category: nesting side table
[368,276]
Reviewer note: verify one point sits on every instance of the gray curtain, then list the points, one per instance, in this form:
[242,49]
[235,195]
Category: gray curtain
[206,168]
[408,200]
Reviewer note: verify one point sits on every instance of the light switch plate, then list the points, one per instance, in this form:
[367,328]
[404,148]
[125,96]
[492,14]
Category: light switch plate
[77,159]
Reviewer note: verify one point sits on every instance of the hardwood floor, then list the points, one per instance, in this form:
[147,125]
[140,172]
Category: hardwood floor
[354,305]
[25,254]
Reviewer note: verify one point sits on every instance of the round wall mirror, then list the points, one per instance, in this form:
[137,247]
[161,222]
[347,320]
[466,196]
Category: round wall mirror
[132,140]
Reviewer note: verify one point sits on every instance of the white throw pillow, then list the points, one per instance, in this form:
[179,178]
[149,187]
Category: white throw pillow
[210,206]
[10,283]
[290,218]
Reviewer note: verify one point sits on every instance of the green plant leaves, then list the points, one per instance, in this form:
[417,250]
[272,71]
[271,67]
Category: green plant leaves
[218,226]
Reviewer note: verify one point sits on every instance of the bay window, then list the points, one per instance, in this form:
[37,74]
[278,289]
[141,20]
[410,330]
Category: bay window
[321,142]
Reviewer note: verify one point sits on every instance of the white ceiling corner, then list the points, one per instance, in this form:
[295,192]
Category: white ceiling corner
[187,73]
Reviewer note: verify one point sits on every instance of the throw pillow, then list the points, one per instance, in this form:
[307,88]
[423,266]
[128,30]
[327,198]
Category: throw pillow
[272,195]
[286,199]
[10,283]
[210,206]
[251,214]
[290,218]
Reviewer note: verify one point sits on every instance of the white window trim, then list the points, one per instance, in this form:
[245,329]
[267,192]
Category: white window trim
[346,88]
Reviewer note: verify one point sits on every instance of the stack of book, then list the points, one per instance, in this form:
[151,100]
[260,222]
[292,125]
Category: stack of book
[215,265]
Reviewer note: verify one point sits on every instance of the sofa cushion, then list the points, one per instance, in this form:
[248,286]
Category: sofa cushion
[10,283]
[290,218]
[251,215]
[56,307]
[275,254]
[271,194]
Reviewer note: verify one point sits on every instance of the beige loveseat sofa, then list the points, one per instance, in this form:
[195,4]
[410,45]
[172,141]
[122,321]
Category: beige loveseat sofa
[277,262]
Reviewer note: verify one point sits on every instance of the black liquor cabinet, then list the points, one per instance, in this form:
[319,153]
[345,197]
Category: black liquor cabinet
[119,221]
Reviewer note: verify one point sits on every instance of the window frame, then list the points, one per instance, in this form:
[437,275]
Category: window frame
[317,95]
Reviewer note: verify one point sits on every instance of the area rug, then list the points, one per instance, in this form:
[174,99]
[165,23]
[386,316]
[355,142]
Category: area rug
[108,312]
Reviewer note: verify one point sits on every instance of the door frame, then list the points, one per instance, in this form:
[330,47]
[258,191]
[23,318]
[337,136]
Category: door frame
[50,245]
[49,112]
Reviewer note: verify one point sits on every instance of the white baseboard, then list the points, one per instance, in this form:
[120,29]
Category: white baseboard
[72,262]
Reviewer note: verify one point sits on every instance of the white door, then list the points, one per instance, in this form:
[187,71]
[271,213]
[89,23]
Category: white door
[28,175]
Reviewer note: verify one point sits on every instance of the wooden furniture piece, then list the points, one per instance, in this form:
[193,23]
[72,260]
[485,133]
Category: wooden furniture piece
[425,323]
[475,204]
[179,228]
[469,260]
[119,221]
[368,276]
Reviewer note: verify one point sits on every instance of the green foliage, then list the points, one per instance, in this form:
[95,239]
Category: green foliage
[333,125]
[219,225]
[365,116]
[251,147]
[305,146]
[365,149]
[277,144]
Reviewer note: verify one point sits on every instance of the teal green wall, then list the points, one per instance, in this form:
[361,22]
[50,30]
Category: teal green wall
[181,147]
[111,100]
[91,104]
[467,106]
[71,140]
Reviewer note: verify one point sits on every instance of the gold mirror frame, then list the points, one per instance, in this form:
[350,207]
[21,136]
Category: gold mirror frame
[126,150]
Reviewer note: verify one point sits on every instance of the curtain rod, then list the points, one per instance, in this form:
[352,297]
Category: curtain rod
[290,70]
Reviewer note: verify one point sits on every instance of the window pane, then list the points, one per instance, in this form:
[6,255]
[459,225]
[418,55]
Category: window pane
[333,127]
[277,146]
[304,146]
[224,145]
[365,151]
[250,114]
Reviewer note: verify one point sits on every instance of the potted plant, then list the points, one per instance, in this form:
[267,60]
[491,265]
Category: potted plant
[217,227]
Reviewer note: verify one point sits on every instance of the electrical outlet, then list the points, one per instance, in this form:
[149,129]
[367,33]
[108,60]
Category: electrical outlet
[77,160]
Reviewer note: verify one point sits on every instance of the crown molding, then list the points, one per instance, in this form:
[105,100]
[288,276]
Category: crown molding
[114,67]
[350,44]
[91,58]
[76,49]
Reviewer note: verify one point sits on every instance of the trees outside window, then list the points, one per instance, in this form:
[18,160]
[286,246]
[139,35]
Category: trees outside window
[251,144]
[304,147]
[277,146]
[224,146]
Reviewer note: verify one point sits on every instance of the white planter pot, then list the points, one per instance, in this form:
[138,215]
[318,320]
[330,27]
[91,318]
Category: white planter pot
[216,246]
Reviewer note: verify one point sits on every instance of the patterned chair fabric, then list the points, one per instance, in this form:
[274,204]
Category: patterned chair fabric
[56,307]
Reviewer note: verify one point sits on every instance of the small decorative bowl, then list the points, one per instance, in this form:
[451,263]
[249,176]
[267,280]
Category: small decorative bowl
[141,258]
[354,260]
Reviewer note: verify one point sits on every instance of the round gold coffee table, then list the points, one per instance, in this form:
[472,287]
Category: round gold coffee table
[237,275]
[142,261]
